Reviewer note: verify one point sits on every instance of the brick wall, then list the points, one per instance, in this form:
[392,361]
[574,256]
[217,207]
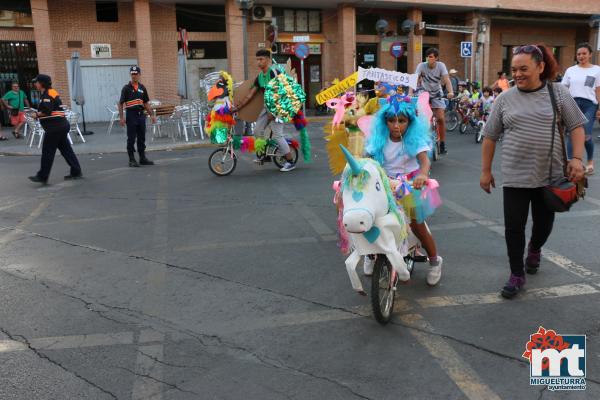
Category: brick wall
[550,34]
[329,59]
[20,35]
[164,51]
[76,21]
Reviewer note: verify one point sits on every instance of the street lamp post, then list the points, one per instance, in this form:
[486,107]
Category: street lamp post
[245,6]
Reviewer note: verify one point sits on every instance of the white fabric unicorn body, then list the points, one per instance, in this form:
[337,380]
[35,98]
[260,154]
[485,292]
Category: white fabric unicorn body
[373,222]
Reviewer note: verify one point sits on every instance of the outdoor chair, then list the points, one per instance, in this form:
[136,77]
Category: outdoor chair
[114,116]
[73,119]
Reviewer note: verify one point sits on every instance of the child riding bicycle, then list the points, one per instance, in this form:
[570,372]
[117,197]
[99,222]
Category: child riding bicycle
[400,141]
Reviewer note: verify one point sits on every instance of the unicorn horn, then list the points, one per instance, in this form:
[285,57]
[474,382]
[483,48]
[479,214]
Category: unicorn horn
[351,161]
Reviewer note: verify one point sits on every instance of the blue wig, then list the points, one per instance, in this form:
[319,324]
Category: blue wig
[417,135]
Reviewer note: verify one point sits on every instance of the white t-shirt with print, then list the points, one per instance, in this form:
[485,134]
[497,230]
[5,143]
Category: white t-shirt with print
[397,161]
[582,82]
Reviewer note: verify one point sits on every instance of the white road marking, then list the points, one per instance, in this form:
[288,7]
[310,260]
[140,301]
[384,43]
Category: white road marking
[465,377]
[246,243]
[577,289]
[555,258]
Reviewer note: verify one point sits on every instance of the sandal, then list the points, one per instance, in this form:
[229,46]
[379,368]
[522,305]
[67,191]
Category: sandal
[589,170]
[2,138]
[15,134]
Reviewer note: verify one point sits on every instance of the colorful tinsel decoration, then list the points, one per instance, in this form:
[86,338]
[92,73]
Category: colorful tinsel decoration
[284,97]
[219,121]
[300,123]
[245,144]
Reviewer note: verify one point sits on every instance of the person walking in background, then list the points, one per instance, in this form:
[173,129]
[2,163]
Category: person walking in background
[15,101]
[134,99]
[583,81]
[56,127]
[523,116]
[501,82]
[454,79]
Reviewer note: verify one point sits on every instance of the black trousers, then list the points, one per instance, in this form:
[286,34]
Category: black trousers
[136,131]
[56,138]
[516,211]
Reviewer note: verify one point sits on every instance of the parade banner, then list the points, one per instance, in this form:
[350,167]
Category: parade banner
[391,77]
[338,89]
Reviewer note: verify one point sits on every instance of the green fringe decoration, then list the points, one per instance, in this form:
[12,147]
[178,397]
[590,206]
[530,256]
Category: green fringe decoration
[237,142]
[260,145]
[305,145]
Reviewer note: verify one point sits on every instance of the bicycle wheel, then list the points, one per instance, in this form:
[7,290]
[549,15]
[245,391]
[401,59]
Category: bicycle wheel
[222,162]
[479,134]
[435,152]
[280,159]
[382,290]
[463,127]
[452,120]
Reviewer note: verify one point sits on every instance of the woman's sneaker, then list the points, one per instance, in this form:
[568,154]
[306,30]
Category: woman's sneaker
[532,262]
[513,286]
[435,272]
[368,265]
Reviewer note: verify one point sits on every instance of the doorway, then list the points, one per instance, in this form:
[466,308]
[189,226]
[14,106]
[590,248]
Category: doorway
[366,57]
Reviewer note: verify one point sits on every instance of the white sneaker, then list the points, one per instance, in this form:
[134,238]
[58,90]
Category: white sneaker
[435,273]
[288,166]
[368,265]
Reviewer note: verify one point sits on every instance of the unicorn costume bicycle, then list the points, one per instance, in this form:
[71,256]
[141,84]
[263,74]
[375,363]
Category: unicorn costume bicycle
[400,140]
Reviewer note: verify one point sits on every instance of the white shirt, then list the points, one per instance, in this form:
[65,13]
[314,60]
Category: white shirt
[397,161]
[582,82]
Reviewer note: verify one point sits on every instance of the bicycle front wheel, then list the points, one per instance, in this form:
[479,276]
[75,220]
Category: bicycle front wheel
[479,133]
[222,161]
[382,290]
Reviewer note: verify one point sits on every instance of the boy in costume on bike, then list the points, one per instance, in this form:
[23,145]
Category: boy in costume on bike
[400,141]
[267,72]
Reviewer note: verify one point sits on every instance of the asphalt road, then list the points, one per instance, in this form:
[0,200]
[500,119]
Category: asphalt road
[167,282]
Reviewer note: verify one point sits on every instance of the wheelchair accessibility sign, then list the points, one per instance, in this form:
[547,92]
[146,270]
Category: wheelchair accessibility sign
[466,49]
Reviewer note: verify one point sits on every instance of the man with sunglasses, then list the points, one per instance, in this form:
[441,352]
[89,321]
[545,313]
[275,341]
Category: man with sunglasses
[134,100]
[433,74]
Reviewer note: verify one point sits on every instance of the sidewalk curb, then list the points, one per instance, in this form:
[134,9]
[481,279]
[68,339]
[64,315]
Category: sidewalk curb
[190,146]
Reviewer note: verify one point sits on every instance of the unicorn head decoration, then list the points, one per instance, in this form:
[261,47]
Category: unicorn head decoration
[370,217]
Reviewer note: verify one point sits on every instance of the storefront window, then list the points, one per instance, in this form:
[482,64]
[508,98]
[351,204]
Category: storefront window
[365,22]
[198,18]
[15,14]
[206,50]
[290,20]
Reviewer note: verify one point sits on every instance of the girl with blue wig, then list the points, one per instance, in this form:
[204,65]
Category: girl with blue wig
[400,141]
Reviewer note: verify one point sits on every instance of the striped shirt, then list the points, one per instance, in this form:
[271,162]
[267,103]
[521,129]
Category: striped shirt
[524,120]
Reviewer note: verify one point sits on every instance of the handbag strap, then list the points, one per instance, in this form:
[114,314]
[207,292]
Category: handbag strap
[556,121]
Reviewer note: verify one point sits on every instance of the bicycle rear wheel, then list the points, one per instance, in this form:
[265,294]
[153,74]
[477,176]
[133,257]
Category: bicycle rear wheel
[222,161]
[279,159]
[479,133]
[382,290]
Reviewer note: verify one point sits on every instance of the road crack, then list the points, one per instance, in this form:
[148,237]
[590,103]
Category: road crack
[170,385]
[23,340]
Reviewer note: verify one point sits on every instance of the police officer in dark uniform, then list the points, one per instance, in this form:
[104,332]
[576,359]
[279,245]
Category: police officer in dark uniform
[134,99]
[56,127]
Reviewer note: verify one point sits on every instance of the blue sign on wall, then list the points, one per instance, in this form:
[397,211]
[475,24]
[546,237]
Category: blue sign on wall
[466,49]
[301,51]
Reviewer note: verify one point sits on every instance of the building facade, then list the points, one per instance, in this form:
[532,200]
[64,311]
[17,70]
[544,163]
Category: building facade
[41,35]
